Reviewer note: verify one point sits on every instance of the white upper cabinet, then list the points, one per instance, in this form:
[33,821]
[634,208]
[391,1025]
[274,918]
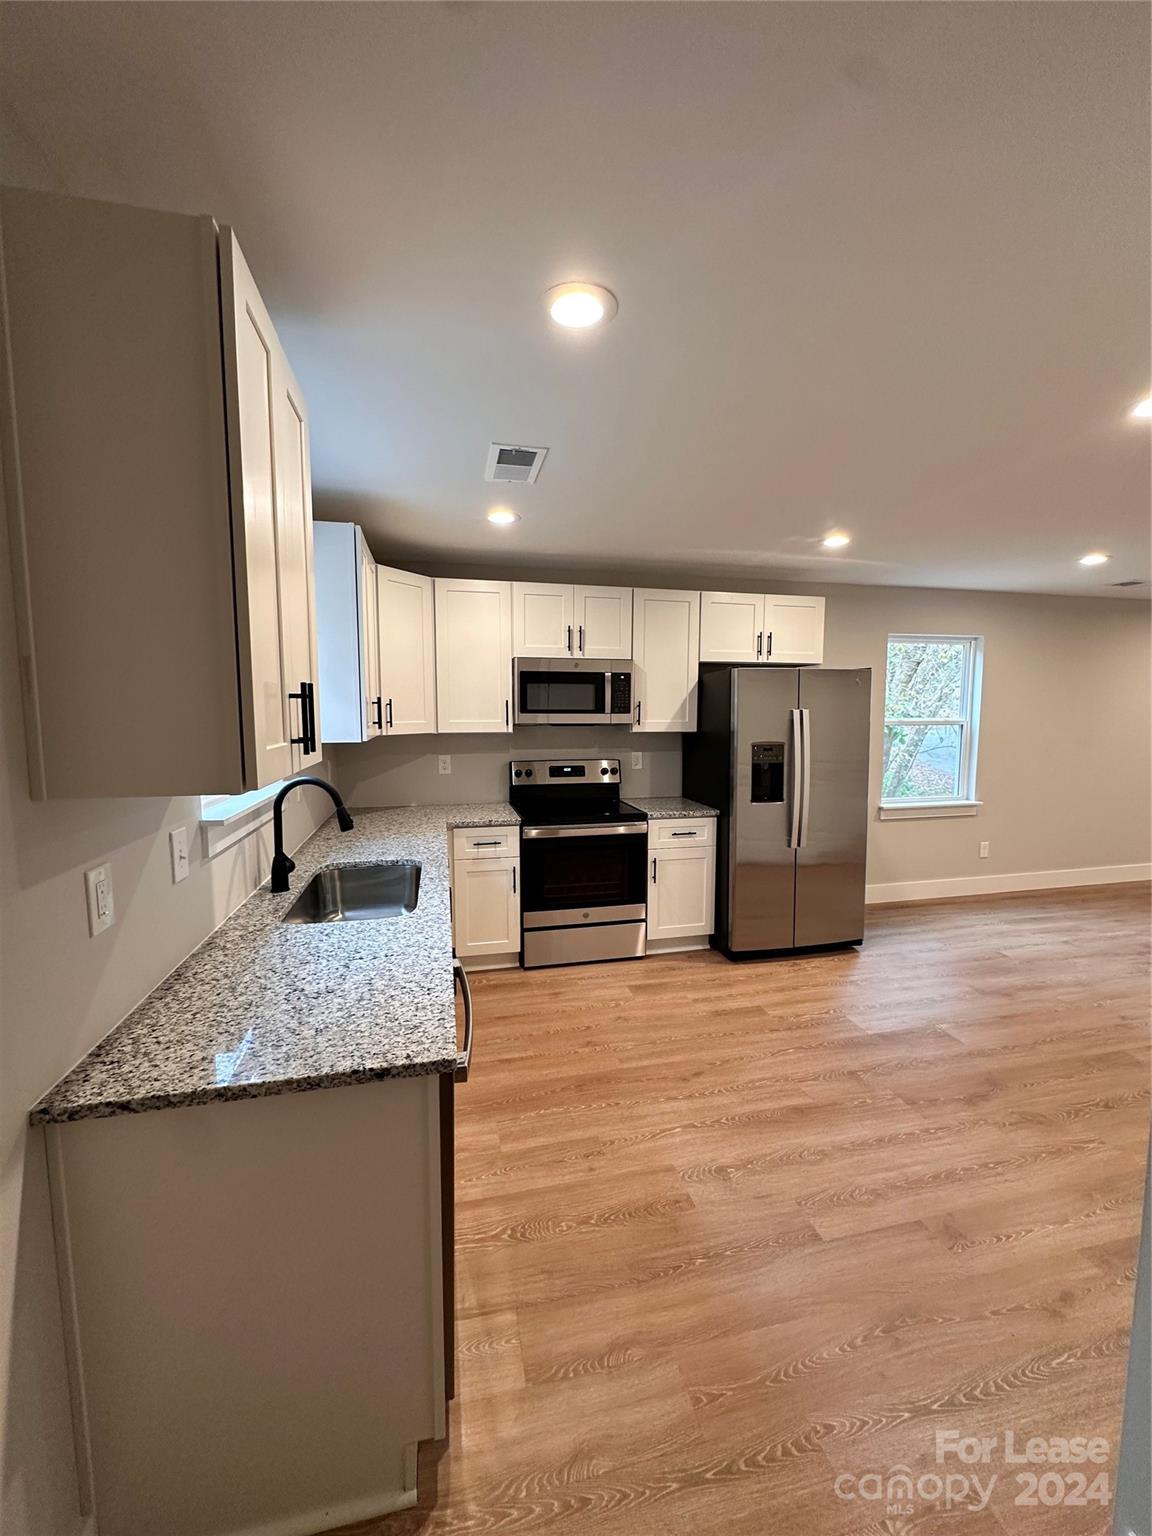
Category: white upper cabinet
[750,627]
[794,629]
[666,656]
[555,620]
[542,621]
[349,648]
[407,651]
[731,626]
[603,618]
[160,504]
[473,655]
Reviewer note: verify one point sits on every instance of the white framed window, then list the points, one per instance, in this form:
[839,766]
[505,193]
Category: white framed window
[931,724]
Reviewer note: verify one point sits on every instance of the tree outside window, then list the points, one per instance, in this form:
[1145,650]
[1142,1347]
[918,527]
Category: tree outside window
[931,699]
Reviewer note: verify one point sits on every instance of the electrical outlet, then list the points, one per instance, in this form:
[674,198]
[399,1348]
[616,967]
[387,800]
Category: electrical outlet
[637,759]
[444,763]
[983,850]
[98,888]
[178,848]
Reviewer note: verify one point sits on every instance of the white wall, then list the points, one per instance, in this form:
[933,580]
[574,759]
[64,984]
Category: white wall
[60,992]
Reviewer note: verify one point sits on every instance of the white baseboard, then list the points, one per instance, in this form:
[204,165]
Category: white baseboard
[991,885]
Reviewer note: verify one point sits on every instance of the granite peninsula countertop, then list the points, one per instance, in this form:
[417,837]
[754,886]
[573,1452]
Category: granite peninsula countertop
[267,1007]
[669,807]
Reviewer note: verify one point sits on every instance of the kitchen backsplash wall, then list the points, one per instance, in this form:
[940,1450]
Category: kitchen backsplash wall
[403,770]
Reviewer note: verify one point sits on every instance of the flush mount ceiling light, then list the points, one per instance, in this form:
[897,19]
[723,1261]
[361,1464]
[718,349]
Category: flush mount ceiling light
[1097,557]
[502,516]
[1142,410]
[576,306]
[836,540]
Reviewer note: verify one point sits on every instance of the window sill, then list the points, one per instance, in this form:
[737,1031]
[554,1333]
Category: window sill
[914,810]
[227,821]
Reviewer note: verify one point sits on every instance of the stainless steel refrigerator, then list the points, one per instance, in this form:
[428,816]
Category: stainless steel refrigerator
[782,753]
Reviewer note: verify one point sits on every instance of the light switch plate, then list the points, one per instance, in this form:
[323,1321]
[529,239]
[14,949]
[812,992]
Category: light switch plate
[637,759]
[983,850]
[98,888]
[444,762]
[178,847]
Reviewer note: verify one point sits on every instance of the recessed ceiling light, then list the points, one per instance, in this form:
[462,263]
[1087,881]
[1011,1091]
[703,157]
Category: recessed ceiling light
[503,516]
[836,540]
[579,305]
[1096,558]
[1142,409]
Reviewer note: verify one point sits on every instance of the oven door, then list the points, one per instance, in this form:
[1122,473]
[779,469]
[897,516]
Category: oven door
[562,693]
[581,875]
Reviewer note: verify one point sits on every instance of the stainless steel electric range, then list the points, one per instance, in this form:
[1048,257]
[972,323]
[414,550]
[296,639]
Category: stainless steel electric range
[583,862]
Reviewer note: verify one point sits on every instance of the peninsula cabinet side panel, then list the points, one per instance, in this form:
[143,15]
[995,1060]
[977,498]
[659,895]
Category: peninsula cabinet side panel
[256,1297]
[116,484]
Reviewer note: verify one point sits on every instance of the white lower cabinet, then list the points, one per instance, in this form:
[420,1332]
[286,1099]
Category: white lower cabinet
[681,879]
[486,895]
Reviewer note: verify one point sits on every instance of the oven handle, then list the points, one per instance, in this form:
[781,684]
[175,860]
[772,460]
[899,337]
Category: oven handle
[626,829]
[464,1059]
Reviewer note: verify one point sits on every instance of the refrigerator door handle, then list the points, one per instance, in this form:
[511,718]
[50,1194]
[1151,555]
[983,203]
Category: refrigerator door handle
[806,772]
[796,717]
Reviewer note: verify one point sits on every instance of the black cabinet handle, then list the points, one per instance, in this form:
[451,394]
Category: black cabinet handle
[653,871]
[388,716]
[379,708]
[506,714]
[769,642]
[569,639]
[307,737]
[513,879]
[581,639]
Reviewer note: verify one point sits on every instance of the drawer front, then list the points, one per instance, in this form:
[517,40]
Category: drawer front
[486,842]
[680,833]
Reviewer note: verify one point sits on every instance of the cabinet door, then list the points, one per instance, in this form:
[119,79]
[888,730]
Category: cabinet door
[407,652]
[603,617]
[793,629]
[296,560]
[542,622]
[681,892]
[370,602]
[473,655]
[486,906]
[269,579]
[666,652]
[731,626]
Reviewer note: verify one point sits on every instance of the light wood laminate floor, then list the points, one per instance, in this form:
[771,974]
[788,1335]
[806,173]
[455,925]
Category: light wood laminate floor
[729,1231]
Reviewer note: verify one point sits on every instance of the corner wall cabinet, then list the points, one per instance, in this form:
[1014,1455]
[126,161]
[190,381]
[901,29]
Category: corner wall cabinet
[486,895]
[681,879]
[551,619]
[407,651]
[155,449]
[666,655]
[473,655]
[346,606]
[750,627]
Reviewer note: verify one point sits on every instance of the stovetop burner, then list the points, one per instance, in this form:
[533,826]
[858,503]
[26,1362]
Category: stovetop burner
[569,792]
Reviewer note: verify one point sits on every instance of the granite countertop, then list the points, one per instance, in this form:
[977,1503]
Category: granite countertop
[267,1007]
[669,807]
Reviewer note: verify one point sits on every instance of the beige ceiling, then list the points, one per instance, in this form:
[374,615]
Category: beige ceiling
[880,266]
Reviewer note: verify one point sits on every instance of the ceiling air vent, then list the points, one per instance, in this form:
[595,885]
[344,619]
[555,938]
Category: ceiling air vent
[507,461]
[1134,583]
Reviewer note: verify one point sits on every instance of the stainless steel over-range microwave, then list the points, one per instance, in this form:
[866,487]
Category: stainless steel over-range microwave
[556,690]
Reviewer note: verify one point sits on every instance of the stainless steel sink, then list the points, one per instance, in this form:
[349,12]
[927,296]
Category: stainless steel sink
[350,893]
